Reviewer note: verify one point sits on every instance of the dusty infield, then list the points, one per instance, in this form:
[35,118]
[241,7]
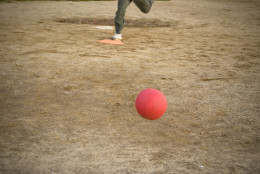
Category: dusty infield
[67,102]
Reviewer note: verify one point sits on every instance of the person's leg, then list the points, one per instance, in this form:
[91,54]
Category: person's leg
[120,14]
[144,5]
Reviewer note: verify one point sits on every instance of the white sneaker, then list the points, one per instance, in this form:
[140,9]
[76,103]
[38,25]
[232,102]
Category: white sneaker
[117,37]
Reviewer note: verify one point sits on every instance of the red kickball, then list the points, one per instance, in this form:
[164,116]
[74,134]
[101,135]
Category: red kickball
[151,104]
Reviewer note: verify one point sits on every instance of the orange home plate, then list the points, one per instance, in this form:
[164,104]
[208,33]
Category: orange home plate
[110,41]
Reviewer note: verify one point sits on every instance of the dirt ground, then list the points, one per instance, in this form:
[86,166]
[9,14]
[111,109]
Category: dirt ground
[67,103]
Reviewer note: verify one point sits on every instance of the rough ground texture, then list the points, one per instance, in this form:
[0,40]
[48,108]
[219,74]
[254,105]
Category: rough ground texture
[67,102]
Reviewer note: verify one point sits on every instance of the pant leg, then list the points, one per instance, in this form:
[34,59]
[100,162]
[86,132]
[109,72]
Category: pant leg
[120,14]
[144,5]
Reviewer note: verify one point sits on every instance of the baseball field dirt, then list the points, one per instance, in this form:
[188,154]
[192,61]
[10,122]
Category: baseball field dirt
[67,102]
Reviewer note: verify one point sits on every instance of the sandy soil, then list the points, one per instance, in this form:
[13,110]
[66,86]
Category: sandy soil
[67,102]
